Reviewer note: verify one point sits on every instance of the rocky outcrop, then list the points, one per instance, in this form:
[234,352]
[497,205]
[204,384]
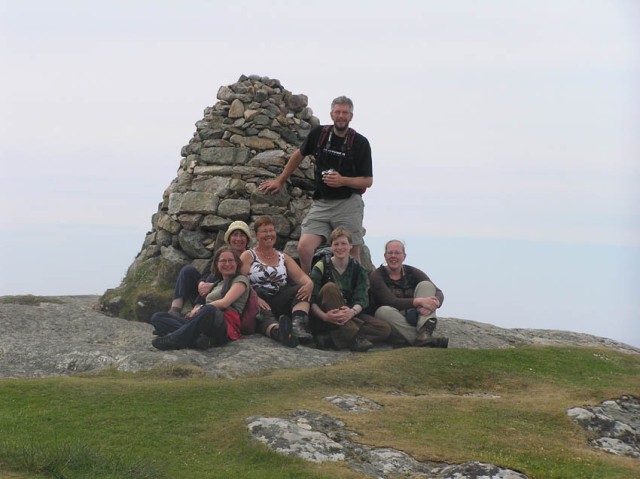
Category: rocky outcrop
[244,139]
[320,438]
[615,423]
[317,437]
[67,336]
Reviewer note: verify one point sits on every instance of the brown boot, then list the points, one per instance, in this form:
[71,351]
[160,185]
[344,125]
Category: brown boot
[426,331]
[360,344]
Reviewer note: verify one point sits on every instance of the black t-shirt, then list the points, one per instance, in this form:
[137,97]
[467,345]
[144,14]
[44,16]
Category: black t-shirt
[334,155]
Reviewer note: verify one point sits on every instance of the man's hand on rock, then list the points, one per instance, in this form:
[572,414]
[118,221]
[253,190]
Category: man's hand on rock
[271,186]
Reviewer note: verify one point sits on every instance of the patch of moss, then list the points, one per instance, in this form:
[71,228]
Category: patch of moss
[30,300]
[146,288]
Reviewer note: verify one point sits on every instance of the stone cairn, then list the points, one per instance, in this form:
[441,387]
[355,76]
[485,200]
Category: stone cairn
[244,139]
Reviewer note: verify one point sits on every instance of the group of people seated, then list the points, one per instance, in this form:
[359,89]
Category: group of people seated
[338,305]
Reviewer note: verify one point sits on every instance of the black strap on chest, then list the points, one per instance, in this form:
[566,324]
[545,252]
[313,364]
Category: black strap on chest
[326,135]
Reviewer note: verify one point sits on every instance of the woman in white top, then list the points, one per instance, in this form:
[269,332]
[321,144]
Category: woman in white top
[283,288]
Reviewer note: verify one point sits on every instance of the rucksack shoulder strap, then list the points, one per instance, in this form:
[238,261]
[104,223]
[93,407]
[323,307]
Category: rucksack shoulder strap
[324,134]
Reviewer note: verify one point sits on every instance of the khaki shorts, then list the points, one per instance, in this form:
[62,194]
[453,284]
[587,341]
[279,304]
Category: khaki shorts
[326,215]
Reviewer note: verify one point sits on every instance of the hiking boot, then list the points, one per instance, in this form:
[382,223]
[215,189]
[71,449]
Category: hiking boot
[324,341]
[164,343]
[300,329]
[360,344]
[202,342]
[426,330]
[434,343]
[285,332]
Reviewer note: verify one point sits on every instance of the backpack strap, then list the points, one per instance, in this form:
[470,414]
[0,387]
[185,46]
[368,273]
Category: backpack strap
[327,276]
[354,276]
[324,135]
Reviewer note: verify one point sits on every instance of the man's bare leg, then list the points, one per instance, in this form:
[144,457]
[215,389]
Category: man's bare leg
[306,248]
[355,252]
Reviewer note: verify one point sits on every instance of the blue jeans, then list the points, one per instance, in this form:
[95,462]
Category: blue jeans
[187,285]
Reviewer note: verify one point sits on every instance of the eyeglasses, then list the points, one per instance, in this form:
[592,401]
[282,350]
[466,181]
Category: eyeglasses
[395,253]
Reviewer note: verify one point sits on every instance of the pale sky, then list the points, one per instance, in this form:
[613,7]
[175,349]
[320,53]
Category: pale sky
[504,136]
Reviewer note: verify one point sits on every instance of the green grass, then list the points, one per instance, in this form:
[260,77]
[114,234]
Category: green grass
[180,424]
[30,300]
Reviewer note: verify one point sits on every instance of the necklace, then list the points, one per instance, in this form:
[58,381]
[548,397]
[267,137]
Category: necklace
[270,255]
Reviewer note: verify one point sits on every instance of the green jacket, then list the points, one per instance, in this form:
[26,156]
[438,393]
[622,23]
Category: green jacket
[358,294]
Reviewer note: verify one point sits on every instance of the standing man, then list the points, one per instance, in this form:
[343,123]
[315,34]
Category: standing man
[406,298]
[343,170]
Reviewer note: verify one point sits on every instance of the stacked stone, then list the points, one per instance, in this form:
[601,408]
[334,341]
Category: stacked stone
[244,139]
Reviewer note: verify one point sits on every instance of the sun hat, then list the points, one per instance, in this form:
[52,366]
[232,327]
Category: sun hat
[237,225]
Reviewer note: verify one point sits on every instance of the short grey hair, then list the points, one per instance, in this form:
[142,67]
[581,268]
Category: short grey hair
[342,100]
[386,245]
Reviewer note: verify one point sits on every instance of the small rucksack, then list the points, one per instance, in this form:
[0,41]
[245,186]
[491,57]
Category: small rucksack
[327,276]
[249,313]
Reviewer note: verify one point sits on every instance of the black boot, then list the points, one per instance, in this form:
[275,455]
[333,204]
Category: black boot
[202,342]
[435,343]
[164,343]
[284,332]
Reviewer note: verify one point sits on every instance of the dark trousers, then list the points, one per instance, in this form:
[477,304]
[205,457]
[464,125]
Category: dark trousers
[369,327]
[280,303]
[187,285]
[209,321]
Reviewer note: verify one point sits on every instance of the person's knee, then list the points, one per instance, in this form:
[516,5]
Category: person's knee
[387,313]
[306,248]
[424,289]
[308,244]
[188,270]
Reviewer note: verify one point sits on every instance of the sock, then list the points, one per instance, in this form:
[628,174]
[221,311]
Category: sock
[300,314]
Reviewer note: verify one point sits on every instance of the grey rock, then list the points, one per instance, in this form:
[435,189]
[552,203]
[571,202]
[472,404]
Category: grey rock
[192,202]
[353,403]
[616,423]
[224,155]
[33,336]
[317,437]
[192,243]
[235,209]
[73,337]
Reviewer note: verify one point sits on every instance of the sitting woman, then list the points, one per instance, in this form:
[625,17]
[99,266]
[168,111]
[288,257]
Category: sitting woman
[218,321]
[284,290]
[193,287]
[339,297]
